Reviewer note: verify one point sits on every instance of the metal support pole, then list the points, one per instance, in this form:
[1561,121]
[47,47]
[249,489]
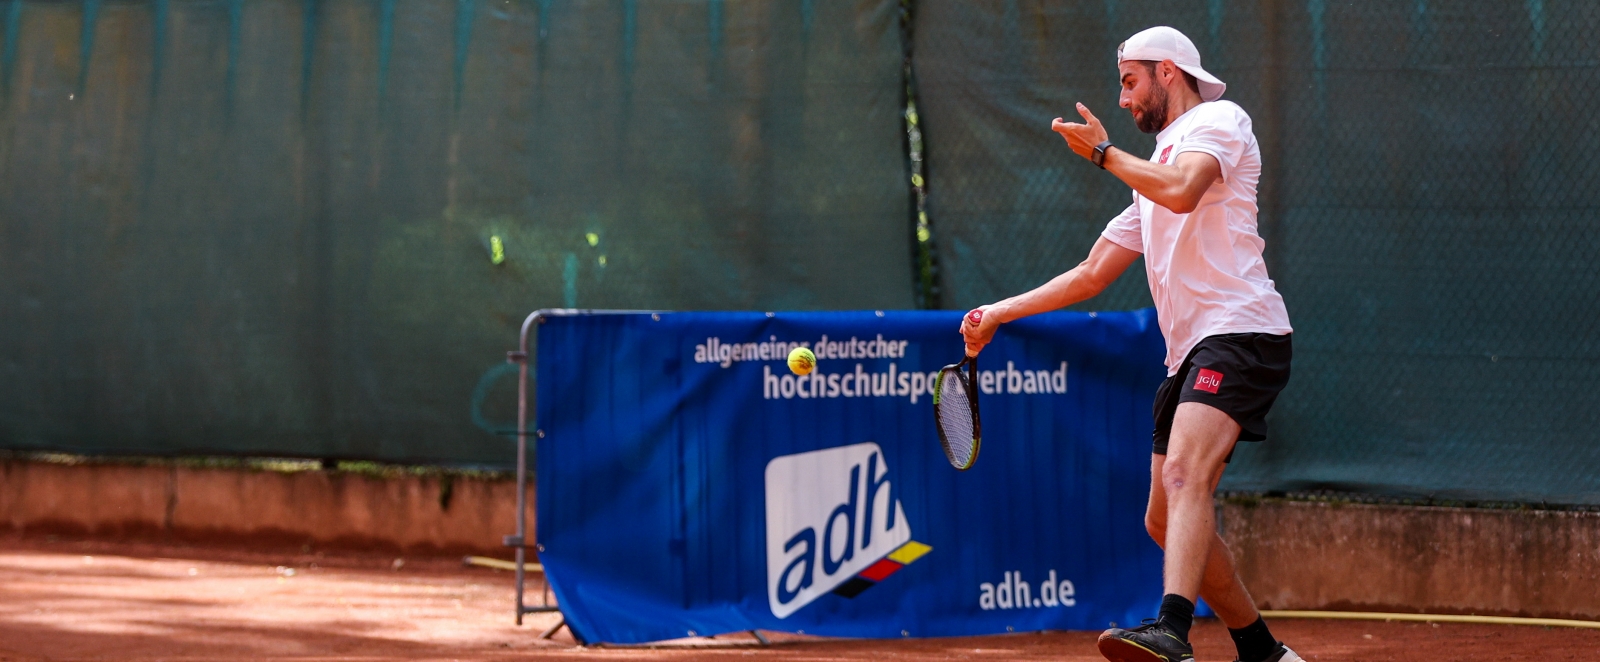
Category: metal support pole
[522,484]
[519,540]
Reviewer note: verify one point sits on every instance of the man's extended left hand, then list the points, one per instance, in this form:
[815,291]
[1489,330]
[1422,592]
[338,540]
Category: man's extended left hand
[1081,137]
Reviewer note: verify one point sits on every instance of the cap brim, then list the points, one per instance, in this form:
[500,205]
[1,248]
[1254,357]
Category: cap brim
[1211,87]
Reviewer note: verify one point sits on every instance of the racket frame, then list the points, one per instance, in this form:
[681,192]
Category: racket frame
[969,382]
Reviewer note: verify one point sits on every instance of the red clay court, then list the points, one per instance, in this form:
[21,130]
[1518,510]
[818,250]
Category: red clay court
[70,599]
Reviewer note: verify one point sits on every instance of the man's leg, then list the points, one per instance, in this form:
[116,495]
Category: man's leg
[1220,586]
[1202,437]
[1196,430]
[1197,559]
[1200,440]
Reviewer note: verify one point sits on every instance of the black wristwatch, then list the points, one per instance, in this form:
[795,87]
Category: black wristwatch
[1099,156]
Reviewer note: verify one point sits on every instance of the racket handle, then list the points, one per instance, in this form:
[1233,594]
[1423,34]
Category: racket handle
[974,318]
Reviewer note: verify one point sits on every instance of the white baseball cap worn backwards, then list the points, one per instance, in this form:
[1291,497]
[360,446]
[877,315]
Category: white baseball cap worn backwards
[1164,43]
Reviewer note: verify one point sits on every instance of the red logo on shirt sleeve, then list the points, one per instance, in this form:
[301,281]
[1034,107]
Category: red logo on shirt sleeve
[1208,381]
[1166,153]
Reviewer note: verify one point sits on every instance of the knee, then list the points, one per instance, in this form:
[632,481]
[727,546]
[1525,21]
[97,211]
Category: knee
[1179,478]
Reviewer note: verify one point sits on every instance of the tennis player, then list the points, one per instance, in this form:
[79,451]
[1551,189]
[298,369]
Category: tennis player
[1193,218]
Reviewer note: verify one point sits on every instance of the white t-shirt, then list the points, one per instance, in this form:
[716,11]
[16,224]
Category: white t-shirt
[1206,272]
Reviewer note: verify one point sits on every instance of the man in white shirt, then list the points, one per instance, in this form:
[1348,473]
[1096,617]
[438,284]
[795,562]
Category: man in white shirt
[1193,218]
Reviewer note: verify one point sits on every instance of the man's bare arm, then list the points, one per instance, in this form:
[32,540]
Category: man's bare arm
[1177,187]
[1106,261]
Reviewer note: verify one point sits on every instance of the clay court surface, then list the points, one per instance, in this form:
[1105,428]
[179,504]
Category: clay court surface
[67,599]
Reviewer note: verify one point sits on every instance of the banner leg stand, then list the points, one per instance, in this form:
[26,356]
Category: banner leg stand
[551,632]
[519,540]
[762,639]
[557,628]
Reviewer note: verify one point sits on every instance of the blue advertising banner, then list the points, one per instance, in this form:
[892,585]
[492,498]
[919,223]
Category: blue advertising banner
[690,484]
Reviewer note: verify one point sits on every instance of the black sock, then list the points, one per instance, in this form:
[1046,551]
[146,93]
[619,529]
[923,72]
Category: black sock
[1178,614]
[1254,641]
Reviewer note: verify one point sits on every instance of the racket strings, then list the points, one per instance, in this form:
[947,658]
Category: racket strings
[955,420]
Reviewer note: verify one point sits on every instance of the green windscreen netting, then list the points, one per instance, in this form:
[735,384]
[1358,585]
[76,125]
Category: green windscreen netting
[1430,202]
[313,227]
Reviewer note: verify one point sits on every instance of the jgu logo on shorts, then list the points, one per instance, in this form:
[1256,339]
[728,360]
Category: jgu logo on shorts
[833,525]
[1208,381]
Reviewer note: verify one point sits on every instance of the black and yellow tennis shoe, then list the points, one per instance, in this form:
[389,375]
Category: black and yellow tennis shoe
[1151,642]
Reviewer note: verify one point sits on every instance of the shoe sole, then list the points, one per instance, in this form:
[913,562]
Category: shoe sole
[1120,650]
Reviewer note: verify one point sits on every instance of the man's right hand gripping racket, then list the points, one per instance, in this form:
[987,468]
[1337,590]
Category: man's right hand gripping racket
[955,408]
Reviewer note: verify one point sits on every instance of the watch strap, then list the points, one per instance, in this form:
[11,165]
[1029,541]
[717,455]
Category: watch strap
[1099,157]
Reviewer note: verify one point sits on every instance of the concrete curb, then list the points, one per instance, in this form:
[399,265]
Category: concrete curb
[442,514]
[1295,555]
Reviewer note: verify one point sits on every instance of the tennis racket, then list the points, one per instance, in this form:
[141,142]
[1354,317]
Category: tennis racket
[955,408]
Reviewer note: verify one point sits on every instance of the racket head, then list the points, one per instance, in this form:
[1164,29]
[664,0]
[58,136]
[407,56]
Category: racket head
[955,413]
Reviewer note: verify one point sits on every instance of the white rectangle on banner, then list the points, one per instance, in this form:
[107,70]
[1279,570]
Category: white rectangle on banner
[831,513]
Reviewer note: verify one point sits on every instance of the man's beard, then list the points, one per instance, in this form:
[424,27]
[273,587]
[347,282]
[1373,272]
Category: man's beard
[1153,115]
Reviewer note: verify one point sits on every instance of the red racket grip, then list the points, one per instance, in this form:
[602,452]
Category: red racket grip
[975,318]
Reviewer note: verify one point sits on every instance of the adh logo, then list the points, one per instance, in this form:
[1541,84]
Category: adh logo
[833,526]
[1166,153]
[1208,381]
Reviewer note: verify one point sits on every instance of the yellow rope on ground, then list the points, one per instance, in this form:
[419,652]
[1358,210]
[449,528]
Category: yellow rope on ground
[1432,618]
[499,564]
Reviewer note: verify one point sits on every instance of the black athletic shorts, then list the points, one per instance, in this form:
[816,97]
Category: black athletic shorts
[1238,373]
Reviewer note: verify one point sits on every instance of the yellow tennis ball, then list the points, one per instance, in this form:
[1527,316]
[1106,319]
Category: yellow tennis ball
[802,361]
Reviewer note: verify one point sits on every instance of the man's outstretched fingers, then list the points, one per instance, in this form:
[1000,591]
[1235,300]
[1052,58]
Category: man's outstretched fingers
[1084,111]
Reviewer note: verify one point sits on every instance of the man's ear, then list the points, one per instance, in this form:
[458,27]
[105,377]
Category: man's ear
[1168,71]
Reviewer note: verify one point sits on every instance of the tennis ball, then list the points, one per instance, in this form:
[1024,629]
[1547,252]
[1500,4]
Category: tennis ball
[802,361]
